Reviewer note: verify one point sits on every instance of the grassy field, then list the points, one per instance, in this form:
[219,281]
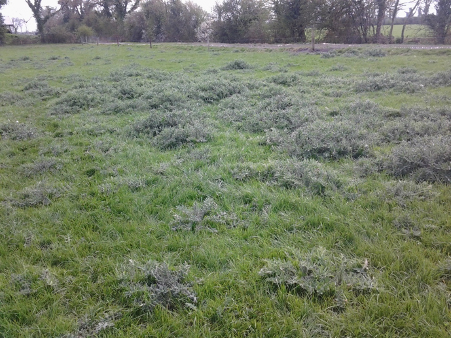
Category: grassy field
[185,192]
[411,31]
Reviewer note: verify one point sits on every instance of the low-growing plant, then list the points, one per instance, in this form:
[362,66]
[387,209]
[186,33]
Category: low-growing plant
[41,194]
[404,191]
[424,159]
[213,90]
[324,139]
[41,167]
[405,82]
[8,98]
[190,218]
[154,284]
[76,101]
[237,65]
[309,174]
[377,52]
[320,273]
[17,131]
[40,88]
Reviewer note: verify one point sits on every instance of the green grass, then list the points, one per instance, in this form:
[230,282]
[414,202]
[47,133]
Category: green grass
[411,31]
[177,191]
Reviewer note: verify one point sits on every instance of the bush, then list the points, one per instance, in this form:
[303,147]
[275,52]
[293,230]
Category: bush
[39,88]
[236,65]
[40,167]
[172,129]
[424,159]
[308,173]
[375,52]
[58,34]
[39,195]
[324,139]
[17,131]
[404,82]
[77,100]
[154,284]
[404,191]
[9,98]
[319,273]
[213,90]
[190,218]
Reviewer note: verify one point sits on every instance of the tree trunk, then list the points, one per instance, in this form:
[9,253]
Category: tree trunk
[411,13]
[381,7]
[395,12]
[313,38]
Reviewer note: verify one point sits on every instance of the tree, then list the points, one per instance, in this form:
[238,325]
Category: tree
[440,23]
[408,18]
[381,9]
[118,9]
[204,31]
[155,12]
[394,12]
[291,19]
[241,21]
[84,32]
[17,23]
[348,21]
[40,14]
[2,29]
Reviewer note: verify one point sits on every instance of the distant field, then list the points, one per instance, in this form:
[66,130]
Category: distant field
[411,31]
[181,191]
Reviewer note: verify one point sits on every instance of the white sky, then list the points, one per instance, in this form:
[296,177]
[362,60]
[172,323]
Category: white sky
[19,9]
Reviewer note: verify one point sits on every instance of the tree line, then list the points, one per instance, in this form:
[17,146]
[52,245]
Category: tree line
[237,21]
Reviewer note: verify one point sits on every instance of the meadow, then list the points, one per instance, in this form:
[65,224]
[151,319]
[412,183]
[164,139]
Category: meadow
[181,191]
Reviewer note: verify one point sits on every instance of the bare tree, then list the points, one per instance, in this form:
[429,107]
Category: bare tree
[40,14]
[408,17]
[17,23]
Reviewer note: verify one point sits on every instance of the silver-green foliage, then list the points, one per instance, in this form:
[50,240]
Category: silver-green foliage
[320,273]
[145,286]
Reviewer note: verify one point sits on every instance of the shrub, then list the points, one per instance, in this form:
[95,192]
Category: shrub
[115,106]
[191,132]
[403,192]
[328,55]
[325,139]
[338,68]
[308,173]
[213,90]
[58,34]
[173,129]
[154,284]
[405,82]
[424,159]
[165,97]
[39,195]
[8,98]
[190,218]
[377,52]
[236,65]
[285,79]
[40,167]
[132,70]
[440,79]
[76,100]
[40,88]
[407,129]
[319,273]
[17,131]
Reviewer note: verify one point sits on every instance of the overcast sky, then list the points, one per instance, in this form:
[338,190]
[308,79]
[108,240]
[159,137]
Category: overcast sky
[19,9]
